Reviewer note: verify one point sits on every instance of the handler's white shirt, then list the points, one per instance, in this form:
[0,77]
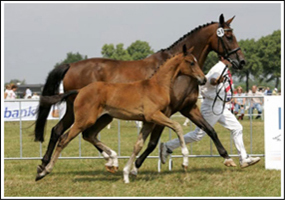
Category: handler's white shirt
[209,91]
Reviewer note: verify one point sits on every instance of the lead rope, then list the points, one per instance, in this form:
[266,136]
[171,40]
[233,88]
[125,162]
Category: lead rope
[224,100]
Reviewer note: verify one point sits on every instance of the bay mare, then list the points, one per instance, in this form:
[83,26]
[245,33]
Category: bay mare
[143,100]
[79,74]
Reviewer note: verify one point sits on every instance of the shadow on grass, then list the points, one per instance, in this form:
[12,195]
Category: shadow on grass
[143,175]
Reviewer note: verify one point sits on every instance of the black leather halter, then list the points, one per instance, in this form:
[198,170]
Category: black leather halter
[227,52]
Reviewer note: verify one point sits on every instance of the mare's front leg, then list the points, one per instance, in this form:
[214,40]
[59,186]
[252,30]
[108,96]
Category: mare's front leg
[153,141]
[154,138]
[146,129]
[56,132]
[196,117]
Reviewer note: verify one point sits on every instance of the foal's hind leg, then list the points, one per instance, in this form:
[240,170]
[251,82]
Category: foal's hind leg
[62,143]
[161,119]
[146,129]
[56,132]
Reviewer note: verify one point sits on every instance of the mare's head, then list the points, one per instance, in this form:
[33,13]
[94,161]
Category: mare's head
[190,67]
[225,44]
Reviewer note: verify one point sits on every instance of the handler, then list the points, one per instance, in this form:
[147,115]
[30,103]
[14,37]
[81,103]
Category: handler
[213,114]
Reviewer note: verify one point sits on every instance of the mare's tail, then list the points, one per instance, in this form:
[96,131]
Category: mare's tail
[50,88]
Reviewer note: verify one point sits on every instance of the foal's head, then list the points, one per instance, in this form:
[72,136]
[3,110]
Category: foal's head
[189,66]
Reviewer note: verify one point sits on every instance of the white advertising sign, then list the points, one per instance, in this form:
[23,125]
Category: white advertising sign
[274,137]
[28,111]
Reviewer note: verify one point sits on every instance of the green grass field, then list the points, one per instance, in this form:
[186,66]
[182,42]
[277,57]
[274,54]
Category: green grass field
[88,178]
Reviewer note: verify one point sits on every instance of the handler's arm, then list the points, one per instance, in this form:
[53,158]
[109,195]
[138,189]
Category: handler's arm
[215,81]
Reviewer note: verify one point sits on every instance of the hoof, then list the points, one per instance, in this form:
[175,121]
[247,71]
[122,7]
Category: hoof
[116,169]
[111,169]
[229,163]
[41,175]
[40,169]
[134,173]
[184,167]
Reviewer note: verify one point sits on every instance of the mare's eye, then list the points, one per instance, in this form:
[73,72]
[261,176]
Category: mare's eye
[192,63]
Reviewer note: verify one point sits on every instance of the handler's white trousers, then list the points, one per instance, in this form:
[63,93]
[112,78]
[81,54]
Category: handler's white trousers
[226,119]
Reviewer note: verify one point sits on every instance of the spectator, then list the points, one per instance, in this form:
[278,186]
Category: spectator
[239,103]
[28,93]
[275,91]
[255,102]
[11,93]
[35,96]
[268,91]
[8,88]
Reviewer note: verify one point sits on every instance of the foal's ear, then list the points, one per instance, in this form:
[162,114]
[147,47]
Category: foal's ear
[184,50]
[191,49]
[222,20]
[230,20]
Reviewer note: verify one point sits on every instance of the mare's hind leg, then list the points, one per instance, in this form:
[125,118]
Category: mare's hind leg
[146,129]
[90,135]
[56,132]
[196,117]
[161,119]
[62,143]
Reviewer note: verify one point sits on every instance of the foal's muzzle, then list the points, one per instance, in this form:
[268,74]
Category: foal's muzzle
[202,81]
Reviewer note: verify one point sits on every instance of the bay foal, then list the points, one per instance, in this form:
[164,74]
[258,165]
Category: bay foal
[141,100]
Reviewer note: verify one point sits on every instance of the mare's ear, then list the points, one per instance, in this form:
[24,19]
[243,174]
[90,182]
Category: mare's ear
[222,20]
[230,20]
[191,49]
[184,50]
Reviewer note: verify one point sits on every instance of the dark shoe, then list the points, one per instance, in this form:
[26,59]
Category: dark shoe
[257,117]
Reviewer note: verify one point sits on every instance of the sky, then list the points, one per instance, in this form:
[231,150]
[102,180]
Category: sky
[39,35]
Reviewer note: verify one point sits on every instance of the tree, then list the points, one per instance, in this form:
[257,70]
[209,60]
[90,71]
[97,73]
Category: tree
[71,58]
[16,82]
[253,67]
[118,53]
[210,61]
[269,51]
[137,50]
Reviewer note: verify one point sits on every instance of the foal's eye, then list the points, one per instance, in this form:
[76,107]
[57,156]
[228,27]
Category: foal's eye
[192,63]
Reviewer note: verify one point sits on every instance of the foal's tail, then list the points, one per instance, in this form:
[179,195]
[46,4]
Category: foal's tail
[50,88]
[50,100]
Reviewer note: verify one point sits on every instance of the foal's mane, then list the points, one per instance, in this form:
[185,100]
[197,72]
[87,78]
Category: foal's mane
[156,69]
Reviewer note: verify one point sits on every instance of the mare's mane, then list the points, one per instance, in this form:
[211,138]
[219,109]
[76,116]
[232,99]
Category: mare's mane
[178,41]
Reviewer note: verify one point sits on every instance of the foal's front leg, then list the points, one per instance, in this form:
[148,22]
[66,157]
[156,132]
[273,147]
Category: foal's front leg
[161,119]
[146,129]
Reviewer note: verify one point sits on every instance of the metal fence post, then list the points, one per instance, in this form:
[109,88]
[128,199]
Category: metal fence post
[119,137]
[20,111]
